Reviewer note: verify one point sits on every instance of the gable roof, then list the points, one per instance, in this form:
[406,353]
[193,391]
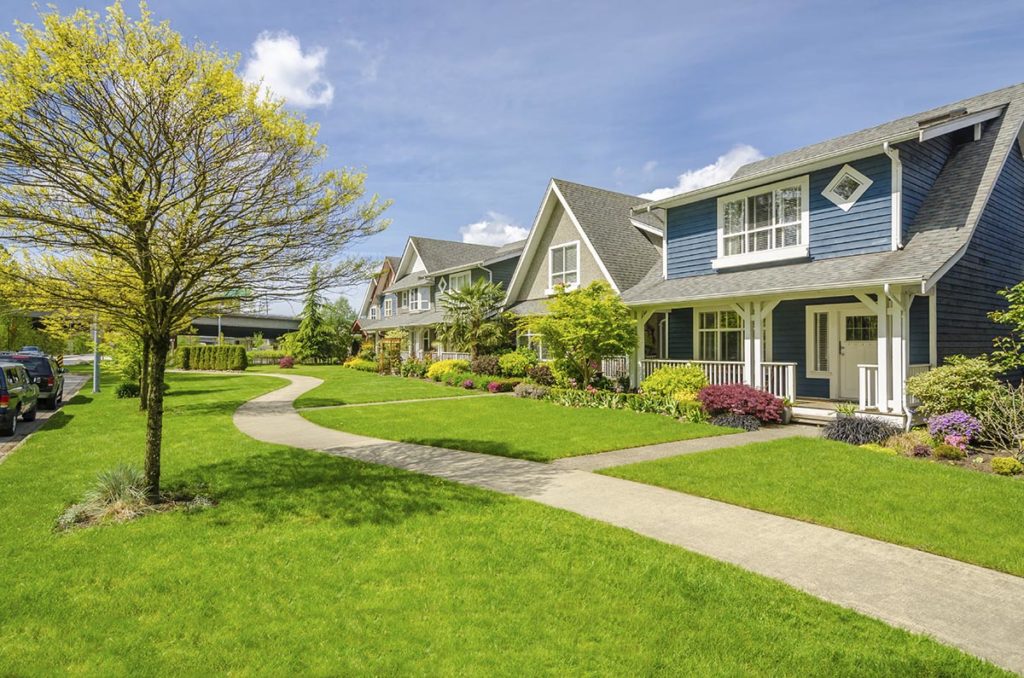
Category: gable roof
[441,254]
[863,141]
[935,241]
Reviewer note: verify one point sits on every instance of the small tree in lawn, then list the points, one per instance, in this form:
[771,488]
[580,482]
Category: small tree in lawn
[1009,348]
[315,340]
[583,327]
[132,159]
[339,316]
[473,319]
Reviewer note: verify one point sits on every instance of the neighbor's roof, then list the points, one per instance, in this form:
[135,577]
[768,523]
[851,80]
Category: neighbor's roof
[394,261]
[423,319]
[901,129]
[442,254]
[939,234]
[605,217]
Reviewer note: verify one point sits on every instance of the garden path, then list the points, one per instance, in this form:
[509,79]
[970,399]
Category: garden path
[978,610]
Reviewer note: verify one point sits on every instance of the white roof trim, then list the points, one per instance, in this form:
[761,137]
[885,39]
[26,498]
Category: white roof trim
[402,264]
[644,227]
[586,240]
[937,130]
[546,207]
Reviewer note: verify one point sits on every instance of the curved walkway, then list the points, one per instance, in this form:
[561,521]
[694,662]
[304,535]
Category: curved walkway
[978,610]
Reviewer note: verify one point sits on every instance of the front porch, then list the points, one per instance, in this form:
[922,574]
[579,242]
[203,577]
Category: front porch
[814,351]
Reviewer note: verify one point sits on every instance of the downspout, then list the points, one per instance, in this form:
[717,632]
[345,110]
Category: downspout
[897,195]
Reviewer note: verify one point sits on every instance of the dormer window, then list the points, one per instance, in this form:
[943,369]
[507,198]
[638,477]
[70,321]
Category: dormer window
[564,266]
[373,313]
[764,224]
[389,307]
[846,188]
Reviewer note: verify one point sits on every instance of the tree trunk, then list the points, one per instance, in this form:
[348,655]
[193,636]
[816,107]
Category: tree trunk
[144,380]
[155,414]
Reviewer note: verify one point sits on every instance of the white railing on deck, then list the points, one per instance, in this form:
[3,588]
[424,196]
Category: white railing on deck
[779,379]
[868,376]
[450,355]
[717,371]
[615,367]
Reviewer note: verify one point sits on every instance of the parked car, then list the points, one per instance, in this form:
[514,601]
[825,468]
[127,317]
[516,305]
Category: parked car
[31,349]
[46,374]
[19,397]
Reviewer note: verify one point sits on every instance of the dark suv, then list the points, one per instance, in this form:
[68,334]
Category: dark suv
[18,397]
[46,374]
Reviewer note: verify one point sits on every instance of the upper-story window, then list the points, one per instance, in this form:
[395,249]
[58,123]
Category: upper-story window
[389,307]
[846,188]
[564,265]
[403,299]
[373,313]
[419,299]
[769,223]
[459,281]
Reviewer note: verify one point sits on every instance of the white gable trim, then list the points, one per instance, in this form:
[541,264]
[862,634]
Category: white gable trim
[404,266]
[644,227]
[543,215]
[963,121]
[586,240]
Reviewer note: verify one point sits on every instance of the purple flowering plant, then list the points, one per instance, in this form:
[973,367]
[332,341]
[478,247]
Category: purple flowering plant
[468,384]
[956,428]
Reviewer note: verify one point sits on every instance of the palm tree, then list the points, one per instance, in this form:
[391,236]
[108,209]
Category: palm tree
[472,317]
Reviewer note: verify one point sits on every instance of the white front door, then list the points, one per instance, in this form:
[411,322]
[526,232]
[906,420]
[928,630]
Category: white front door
[858,345]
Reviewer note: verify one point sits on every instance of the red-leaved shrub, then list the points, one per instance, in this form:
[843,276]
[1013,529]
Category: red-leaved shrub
[286,362]
[741,399]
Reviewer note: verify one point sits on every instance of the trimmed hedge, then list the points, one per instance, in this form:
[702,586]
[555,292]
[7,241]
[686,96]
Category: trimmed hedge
[222,358]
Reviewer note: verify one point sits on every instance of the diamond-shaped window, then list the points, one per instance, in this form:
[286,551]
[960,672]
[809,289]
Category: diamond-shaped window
[847,187]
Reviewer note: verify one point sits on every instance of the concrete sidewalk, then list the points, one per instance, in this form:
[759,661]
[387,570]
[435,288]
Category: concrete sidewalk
[978,610]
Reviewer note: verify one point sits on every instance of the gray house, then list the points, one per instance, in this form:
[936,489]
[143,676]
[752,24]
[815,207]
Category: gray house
[409,291]
[836,271]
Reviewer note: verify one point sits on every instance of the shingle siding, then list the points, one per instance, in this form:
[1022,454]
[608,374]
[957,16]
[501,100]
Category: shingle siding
[680,334]
[919,354]
[994,260]
[502,271]
[867,227]
[922,163]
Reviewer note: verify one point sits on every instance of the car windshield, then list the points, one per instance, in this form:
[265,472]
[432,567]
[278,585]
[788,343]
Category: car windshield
[37,366]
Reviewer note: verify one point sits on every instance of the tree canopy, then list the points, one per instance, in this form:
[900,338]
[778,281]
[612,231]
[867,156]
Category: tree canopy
[472,317]
[149,181]
[583,327]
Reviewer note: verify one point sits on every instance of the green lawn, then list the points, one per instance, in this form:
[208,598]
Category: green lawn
[313,564]
[931,506]
[511,427]
[344,386]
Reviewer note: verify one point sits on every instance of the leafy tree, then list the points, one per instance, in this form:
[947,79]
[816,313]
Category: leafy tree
[156,183]
[316,339]
[340,316]
[472,317]
[583,327]
[1009,348]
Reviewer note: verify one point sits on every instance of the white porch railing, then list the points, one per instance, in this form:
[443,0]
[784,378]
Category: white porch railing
[451,355]
[868,378]
[717,371]
[615,367]
[779,379]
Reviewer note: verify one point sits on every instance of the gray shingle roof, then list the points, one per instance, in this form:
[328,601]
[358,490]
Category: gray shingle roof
[604,217]
[442,254]
[874,135]
[423,319]
[942,228]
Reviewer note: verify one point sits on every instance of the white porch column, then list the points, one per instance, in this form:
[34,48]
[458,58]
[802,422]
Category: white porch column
[883,353]
[756,318]
[636,374]
[746,317]
[900,348]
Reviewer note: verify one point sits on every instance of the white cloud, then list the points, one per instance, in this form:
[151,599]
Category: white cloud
[496,229]
[717,172]
[278,62]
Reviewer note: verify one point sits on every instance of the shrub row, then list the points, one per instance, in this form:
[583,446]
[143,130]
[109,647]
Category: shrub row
[230,357]
[635,402]
[361,364]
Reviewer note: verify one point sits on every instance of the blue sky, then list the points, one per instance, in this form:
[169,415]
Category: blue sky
[461,111]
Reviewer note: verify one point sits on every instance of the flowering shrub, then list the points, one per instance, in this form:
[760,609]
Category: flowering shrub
[741,399]
[468,384]
[414,367]
[361,365]
[956,428]
[541,374]
[286,363]
[443,367]
[518,363]
[635,402]
[967,384]
[493,387]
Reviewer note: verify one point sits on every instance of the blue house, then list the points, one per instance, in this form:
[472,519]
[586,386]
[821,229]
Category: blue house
[836,271]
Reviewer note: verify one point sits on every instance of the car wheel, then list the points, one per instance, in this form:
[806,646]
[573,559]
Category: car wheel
[11,428]
[31,414]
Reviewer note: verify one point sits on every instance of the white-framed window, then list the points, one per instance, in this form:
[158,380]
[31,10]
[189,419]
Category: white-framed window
[719,335]
[459,281]
[389,307]
[373,313]
[847,187]
[532,342]
[403,299]
[564,265]
[819,343]
[419,299]
[768,223]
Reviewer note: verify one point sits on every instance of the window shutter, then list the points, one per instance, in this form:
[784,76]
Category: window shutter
[821,342]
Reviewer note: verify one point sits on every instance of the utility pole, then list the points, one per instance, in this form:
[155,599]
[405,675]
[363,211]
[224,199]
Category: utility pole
[96,354]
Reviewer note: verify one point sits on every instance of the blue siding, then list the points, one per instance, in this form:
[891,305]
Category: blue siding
[502,271]
[919,331]
[680,334]
[921,166]
[867,227]
[789,342]
[993,260]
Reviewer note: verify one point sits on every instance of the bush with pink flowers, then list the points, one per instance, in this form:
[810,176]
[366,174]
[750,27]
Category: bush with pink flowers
[741,399]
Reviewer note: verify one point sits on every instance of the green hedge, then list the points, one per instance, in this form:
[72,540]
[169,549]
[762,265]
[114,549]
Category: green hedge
[231,358]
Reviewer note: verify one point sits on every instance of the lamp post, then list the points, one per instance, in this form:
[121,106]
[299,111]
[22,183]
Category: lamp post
[96,354]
